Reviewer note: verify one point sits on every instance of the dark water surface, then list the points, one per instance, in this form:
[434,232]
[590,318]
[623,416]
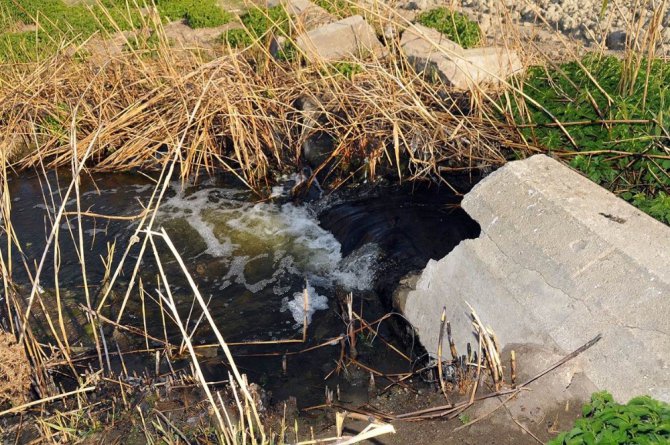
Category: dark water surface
[251,262]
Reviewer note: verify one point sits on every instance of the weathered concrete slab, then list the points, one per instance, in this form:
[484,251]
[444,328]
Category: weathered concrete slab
[307,14]
[419,40]
[433,53]
[559,260]
[345,39]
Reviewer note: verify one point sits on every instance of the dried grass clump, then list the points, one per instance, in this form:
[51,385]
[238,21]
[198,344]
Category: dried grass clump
[15,372]
[238,113]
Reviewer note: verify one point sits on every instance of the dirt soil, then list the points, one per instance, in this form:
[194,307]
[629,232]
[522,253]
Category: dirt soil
[14,372]
[500,427]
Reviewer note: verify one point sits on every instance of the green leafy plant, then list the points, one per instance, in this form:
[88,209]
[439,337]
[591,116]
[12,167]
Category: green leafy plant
[236,38]
[641,421]
[198,13]
[207,15]
[347,69]
[454,25]
[288,52]
[657,207]
[339,8]
[258,21]
[614,130]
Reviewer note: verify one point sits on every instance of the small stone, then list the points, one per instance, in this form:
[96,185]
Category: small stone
[616,40]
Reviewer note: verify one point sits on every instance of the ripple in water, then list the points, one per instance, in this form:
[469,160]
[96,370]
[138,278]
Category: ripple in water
[266,248]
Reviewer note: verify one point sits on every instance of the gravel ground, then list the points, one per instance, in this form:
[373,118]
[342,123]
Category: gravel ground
[578,19]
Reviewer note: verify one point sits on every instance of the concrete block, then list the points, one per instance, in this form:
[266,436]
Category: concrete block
[419,40]
[558,261]
[346,39]
[433,53]
[308,15]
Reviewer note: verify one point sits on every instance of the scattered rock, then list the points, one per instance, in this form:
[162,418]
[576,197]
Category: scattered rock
[583,20]
[419,5]
[421,41]
[434,54]
[317,145]
[345,39]
[616,40]
[400,293]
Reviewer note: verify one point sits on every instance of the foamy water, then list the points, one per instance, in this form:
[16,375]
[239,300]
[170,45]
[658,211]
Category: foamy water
[269,248]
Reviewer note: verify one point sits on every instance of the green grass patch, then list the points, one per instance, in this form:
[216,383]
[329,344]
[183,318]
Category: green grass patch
[20,46]
[236,38]
[641,421]
[198,13]
[61,22]
[339,8]
[454,25]
[618,123]
[347,69]
[258,22]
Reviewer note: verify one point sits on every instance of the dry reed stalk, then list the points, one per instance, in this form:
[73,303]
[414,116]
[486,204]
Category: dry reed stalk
[171,305]
[203,306]
[245,124]
[25,406]
[443,384]
[490,348]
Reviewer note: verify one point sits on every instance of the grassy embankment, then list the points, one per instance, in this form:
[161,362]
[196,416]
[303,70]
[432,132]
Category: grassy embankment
[58,22]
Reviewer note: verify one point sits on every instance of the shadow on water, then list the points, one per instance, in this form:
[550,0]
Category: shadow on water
[410,225]
[250,262]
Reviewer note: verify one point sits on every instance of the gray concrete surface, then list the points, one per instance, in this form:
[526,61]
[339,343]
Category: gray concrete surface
[345,39]
[431,52]
[559,260]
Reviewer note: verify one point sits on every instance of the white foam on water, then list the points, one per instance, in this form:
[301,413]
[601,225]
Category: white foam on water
[296,305]
[190,209]
[277,245]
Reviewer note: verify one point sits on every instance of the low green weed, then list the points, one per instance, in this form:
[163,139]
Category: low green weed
[198,13]
[338,8]
[347,69]
[236,38]
[60,21]
[642,421]
[454,25]
[619,133]
[258,21]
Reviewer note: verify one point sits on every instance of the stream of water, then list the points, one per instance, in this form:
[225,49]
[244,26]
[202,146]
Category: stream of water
[251,261]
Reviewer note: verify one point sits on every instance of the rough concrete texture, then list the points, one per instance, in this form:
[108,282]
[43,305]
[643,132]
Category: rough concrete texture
[559,260]
[345,39]
[421,40]
[431,52]
[307,14]
[551,403]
